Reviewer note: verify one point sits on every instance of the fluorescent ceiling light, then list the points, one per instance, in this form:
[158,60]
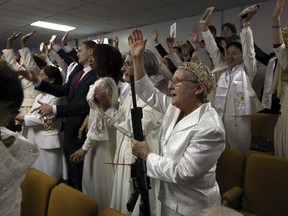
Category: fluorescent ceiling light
[53,26]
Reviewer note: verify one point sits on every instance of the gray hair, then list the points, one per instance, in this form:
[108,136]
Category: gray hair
[151,63]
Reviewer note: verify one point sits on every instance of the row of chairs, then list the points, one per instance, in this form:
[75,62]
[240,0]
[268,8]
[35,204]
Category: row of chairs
[257,185]
[42,197]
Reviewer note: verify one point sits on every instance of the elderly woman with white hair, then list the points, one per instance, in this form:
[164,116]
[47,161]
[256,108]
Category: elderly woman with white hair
[192,136]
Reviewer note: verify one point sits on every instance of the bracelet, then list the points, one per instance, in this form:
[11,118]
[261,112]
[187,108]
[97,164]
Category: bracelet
[279,26]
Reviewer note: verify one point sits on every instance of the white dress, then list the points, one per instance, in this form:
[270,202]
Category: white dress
[281,128]
[15,160]
[44,133]
[98,177]
[123,186]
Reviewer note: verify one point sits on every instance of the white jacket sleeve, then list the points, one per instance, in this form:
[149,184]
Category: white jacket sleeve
[248,53]
[11,61]
[204,57]
[29,62]
[151,95]
[175,59]
[212,49]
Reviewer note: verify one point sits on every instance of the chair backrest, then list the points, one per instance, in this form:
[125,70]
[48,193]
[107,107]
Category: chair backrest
[230,170]
[65,200]
[110,212]
[266,185]
[36,189]
[262,128]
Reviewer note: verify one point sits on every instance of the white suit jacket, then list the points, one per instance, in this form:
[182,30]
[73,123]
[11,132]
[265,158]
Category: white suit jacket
[45,139]
[190,150]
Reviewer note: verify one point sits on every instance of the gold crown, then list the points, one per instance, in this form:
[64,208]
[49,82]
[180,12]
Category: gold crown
[284,31]
[202,72]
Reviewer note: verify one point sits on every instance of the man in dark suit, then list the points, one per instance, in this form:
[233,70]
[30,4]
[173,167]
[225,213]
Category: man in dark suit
[76,108]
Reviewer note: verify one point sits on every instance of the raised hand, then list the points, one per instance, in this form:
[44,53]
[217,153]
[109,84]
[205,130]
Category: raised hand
[43,47]
[276,23]
[194,36]
[29,75]
[65,38]
[116,42]
[155,36]
[52,40]
[170,42]
[100,40]
[252,10]
[278,8]
[204,25]
[26,37]
[11,39]
[137,43]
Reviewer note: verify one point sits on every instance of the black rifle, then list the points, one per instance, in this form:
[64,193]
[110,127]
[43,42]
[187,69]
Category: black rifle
[141,182]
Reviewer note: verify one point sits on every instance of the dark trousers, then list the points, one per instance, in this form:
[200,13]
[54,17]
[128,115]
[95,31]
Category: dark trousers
[75,170]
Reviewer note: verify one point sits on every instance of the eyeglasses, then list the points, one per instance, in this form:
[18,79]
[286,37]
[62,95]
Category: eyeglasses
[127,64]
[180,82]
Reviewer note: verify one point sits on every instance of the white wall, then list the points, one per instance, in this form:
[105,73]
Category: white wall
[261,26]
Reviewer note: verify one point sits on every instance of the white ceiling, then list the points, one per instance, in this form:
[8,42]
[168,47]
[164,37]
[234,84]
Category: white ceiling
[94,17]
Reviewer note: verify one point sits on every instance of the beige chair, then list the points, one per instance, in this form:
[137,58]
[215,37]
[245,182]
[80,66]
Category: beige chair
[110,212]
[36,189]
[67,201]
[262,127]
[230,171]
[265,188]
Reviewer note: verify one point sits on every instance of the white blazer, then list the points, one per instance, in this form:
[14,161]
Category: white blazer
[190,150]
[43,138]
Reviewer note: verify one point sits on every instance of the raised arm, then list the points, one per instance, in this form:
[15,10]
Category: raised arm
[137,45]
[25,53]
[279,47]
[248,44]
[26,37]
[200,48]
[210,43]
[276,23]
[9,53]
[116,43]
[150,95]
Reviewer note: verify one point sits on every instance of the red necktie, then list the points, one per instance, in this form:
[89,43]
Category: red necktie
[78,79]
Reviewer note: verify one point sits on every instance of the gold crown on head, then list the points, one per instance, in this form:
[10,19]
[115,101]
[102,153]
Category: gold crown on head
[202,72]
[284,31]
